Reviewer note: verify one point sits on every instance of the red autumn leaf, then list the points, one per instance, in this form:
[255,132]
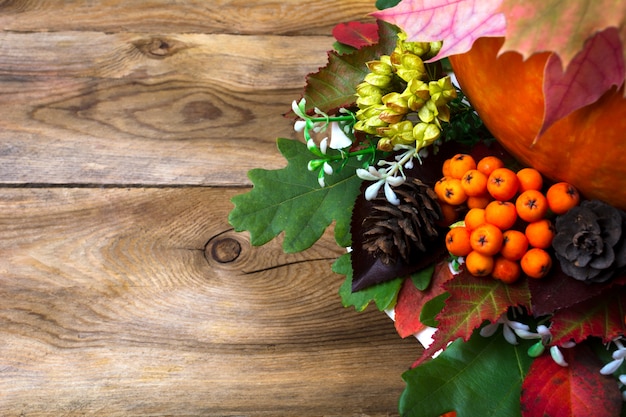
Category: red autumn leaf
[561,26]
[602,317]
[593,71]
[356,34]
[473,300]
[576,390]
[411,300]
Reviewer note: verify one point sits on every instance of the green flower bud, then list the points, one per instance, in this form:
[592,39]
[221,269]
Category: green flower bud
[443,113]
[434,49]
[390,116]
[442,91]
[418,93]
[411,66]
[396,102]
[401,133]
[425,134]
[379,67]
[365,89]
[368,101]
[385,145]
[428,112]
[377,80]
[315,164]
[420,49]
[536,350]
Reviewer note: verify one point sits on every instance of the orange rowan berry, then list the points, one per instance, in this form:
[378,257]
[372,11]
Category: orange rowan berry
[458,241]
[531,205]
[536,263]
[501,213]
[486,239]
[529,179]
[540,233]
[561,197]
[502,184]
[478,264]
[460,164]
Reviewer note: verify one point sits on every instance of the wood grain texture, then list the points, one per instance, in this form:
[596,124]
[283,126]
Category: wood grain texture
[189,16]
[135,109]
[144,302]
[125,129]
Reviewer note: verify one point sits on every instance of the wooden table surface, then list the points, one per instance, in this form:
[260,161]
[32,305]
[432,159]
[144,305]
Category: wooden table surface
[125,129]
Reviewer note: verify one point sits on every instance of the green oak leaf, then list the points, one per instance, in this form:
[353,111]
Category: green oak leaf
[384,295]
[480,377]
[290,200]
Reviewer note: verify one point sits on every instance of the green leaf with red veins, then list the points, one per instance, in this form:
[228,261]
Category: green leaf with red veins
[602,317]
[473,300]
[457,23]
[334,86]
[574,390]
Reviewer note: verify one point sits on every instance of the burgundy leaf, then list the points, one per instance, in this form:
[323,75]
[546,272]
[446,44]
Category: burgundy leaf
[558,291]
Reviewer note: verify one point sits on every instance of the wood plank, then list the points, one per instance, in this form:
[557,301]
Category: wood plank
[190,16]
[142,301]
[239,63]
[92,108]
[85,131]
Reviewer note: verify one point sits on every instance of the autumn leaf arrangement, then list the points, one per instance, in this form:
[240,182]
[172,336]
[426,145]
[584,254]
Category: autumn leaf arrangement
[519,277]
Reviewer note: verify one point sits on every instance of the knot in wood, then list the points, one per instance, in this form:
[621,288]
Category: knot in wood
[224,250]
[158,48]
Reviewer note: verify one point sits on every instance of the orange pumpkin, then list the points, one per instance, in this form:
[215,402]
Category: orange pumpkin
[586,148]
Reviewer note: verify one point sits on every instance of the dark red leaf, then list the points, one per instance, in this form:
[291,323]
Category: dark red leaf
[411,300]
[356,34]
[578,390]
[558,291]
[602,316]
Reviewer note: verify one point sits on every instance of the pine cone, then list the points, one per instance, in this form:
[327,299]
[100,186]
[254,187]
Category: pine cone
[392,232]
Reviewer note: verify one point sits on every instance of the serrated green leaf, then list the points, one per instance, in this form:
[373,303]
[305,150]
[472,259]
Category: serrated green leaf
[290,200]
[383,295]
[428,315]
[480,377]
[334,85]
[421,279]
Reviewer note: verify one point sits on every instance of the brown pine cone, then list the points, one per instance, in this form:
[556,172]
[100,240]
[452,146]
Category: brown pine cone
[397,232]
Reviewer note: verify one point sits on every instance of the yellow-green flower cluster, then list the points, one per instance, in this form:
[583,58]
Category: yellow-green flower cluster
[399,102]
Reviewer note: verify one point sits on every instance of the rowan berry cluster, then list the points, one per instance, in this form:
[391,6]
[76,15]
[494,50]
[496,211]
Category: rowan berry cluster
[506,229]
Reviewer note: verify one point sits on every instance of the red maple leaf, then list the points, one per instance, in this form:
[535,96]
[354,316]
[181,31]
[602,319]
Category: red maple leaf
[601,316]
[576,390]
[356,34]
[473,300]
[411,300]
